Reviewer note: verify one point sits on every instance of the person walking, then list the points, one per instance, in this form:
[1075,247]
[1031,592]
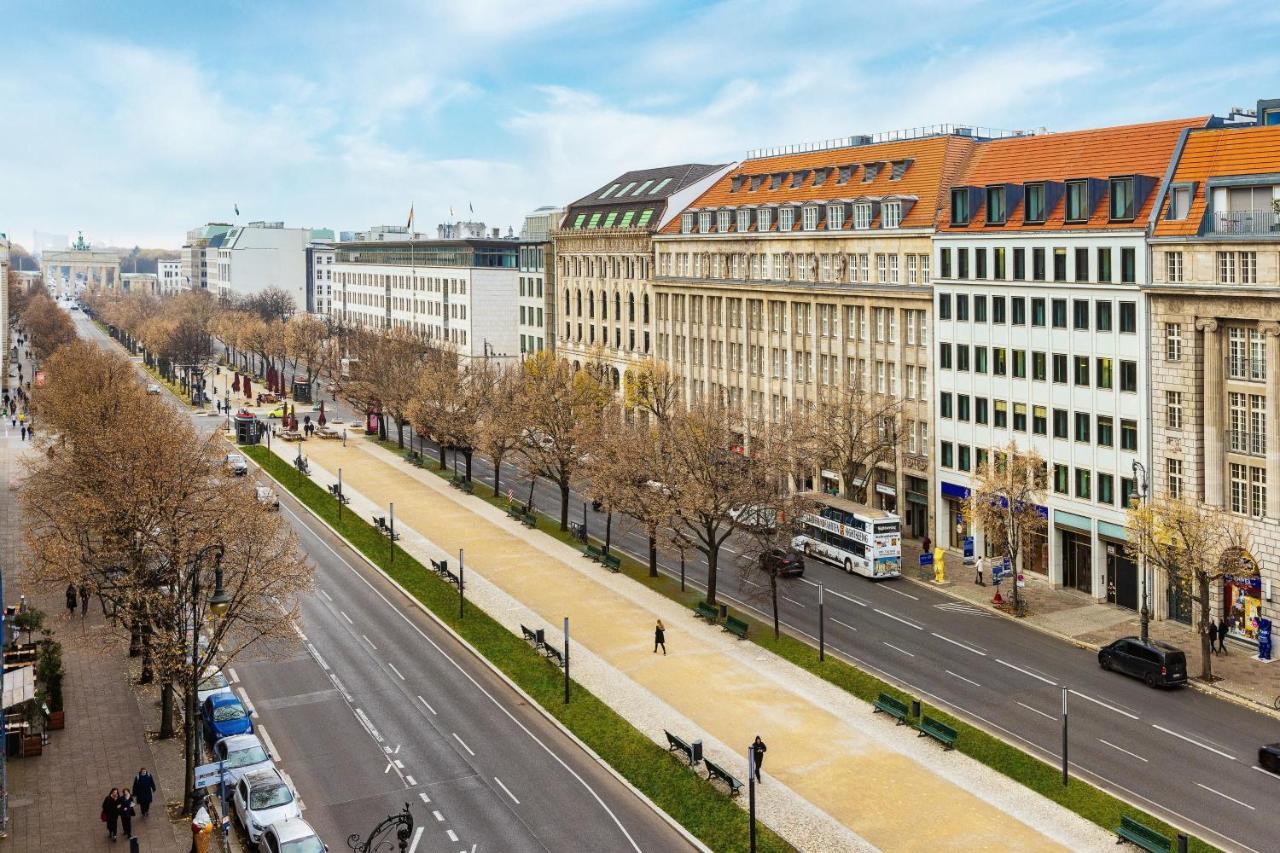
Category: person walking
[72,600]
[24,432]
[125,807]
[111,812]
[660,638]
[926,545]
[1223,627]
[757,755]
[84,600]
[1213,635]
[144,790]
[978,566]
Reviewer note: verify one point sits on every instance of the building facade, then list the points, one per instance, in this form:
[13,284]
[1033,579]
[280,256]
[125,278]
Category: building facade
[1215,350]
[200,251]
[456,292]
[252,258]
[537,280]
[798,274]
[320,256]
[1041,335]
[170,276]
[604,264]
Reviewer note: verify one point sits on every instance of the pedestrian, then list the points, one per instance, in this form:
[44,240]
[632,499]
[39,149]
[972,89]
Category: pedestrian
[84,600]
[927,544]
[344,436]
[111,812]
[1212,631]
[144,789]
[72,600]
[24,432]
[977,565]
[1223,627]
[660,638]
[125,806]
[757,755]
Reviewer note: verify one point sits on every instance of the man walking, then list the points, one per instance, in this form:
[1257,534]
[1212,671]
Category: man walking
[84,600]
[660,638]
[71,600]
[1222,636]
[757,755]
[144,789]
[978,565]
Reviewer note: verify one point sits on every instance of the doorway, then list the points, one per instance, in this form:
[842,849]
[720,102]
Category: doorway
[1077,561]
[1122,578]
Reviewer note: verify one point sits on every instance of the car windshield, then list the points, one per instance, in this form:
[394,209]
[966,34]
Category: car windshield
[224,713]
[270,795]
[214,682]
[303,845]
[245,757]
[234,460]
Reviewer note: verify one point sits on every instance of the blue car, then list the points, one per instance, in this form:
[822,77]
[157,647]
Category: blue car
[224,716]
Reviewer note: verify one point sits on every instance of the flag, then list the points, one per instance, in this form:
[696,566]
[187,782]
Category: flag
[410,226]
[237,208]
[470,205]
[451,211]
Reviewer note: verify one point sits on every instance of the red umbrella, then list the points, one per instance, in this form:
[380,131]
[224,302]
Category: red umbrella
[271,379]
[235,383]
[248,389]
[321,420]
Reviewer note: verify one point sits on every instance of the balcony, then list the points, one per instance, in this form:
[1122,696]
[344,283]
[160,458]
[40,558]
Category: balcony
[1264,222]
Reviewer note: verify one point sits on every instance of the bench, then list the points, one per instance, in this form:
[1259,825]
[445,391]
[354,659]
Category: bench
[939,731]
[578,531]
[736,626]
[467,486]
[1143,836]
[553,655]
[301,464]
[529,520]
[675,743]
[514,510]
[593,552]
[707,611]
[612,562]
[895,708]
[380,522]
[533,638]
[715,771]
[337,493]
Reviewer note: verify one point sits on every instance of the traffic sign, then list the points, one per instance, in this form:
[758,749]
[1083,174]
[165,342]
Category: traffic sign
[208,774]
[926,559]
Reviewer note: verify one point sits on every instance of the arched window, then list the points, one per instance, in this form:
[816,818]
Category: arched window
[591,303]
[631,307]
[644,308]
[566,301]
[579,302]
[604,305]
[617,306]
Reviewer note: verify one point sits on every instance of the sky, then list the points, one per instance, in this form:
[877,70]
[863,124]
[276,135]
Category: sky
[134,122]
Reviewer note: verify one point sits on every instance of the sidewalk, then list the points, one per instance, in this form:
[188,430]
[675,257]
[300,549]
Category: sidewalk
[856,772]
[1079,618]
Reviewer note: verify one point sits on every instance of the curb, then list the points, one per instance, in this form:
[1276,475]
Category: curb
[532,703]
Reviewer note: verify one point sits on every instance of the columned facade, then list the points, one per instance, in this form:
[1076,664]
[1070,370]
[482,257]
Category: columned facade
[100,269]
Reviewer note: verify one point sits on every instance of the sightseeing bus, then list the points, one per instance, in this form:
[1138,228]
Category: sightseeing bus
[858,539]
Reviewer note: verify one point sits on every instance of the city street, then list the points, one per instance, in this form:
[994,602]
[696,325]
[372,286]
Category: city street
[380,707]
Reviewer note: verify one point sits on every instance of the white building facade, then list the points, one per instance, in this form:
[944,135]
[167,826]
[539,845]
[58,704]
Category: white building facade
[320,258]
[258,256]
[537,280]
[170,277]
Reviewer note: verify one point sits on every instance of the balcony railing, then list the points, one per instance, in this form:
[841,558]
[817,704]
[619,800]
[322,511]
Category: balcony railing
[1261,222]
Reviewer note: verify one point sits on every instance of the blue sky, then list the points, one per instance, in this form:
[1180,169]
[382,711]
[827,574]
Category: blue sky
[136,121]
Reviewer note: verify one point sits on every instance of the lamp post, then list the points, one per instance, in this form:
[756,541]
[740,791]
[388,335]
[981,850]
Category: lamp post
[1144,615]
[218,604]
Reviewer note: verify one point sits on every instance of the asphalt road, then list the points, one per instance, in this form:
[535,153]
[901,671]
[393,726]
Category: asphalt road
[380,707]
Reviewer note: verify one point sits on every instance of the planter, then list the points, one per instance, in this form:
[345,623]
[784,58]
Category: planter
[57,720]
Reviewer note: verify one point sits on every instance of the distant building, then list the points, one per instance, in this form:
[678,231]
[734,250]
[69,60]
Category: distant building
[381,233]
[320,258]
[195,257]
[140,282]
[537,280]
[258,256]
[169,274]
[463,231]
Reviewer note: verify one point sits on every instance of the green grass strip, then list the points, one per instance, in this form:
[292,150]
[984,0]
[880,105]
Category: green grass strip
[1086,800]
[692,801]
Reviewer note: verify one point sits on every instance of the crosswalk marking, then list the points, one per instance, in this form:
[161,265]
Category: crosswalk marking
[961,607]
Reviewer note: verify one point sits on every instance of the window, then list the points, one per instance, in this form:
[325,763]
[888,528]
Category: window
[944,356]
[1019,306]
[1059,313]
[862,216]
[1122,199]
[764,220]
[995,206]
[1037,311]
[1173,267]
[835,217]
[891,214]
[1257,491]
[1019,264]
[1061,479]
[979,308]
[1002,414]
[980,410]
[1128,435]
[997,263]
[1128,265]
[1173,409]
[1102,315]
[1173,468]
[1039,420]
[1106,488]
[1037,264]
[1059,264]
[1128,376]
[1038,371]
[997,310]
[1239,488]
[1082,264]
[1033,202]
[1082,426]
[1019,364]
[963,462]
[686,223]
[1173,341]
[1080,314]
[1060,368]
[1248,267]
[810,218]
[962,407]
[979,263]
[962,357]
[948,454]
[960,206]
[962,307]
[1179,203]
[1128,318]
[1106,431]
[1060,423]
[786,218]
[1082,483]
[944,260]
[999,366]
[1077,208]
[1020,417]
[944,305]
[1102,373]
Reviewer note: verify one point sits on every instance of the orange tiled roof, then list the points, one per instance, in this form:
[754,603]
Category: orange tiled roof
[1135,149]
[1219,153]
[933,161]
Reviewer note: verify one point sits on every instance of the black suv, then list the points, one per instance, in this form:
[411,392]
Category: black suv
[787,562]
[1157,664]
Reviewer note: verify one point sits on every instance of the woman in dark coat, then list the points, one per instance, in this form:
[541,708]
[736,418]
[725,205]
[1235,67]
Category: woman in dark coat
[125,806]
[73,596]
[144,789]
[111,812]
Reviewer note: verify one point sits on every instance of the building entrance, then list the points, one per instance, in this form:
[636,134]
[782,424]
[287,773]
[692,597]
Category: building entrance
[1122,578]
[1077,561]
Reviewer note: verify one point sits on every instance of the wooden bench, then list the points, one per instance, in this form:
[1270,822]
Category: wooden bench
[895,708]
[1142,836]
[514,510]
[937,730]
[593,552]
[736,626]
[529,520]
[533,638]
[715,771]
[707,611]
[467,486]
[675,743]
[553,655]
[337,494]
[612,562]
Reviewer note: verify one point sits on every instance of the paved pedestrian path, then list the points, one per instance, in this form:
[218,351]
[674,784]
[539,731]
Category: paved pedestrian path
[887,788]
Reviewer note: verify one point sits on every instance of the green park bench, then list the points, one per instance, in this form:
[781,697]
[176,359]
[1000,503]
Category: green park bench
[1143,836]
[612,562]
[675,743]
[529,520]
[514,510]
[553,654]
[895,708]
[939,731]
[715,771]
[736,626]
[467,486]
[706,611]
[593,552]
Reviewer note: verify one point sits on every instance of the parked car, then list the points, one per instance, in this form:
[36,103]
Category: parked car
[241,754]
[1269,757]
[293,835]
[267,497]
[278,411]
[262,798]
[222,715]
[153,388]
[213,683]
[1157,664]
[788,561]
[237,464]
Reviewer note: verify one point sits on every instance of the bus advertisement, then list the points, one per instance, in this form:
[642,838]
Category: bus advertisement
[857,538]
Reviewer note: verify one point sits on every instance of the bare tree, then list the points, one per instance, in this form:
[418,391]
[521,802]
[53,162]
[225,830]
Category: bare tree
[305,340]
[500,424]
[1004,502]
[453,393]
[381,372]
[852,430]
[272,305]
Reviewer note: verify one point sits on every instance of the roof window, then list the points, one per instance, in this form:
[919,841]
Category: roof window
[1033,209]
[626,219]
[642,188]
[776,180]
[756,181]
[797,178]
[577,223]
[610,191]
[662,183]
[844,174]
[996,212]
[608,220]
[594,222]
[1122,207]
[645,216]
[960,206]
[900,168]
[1180,201]
[626,189]
[871,171]
[820,177]
[737,183]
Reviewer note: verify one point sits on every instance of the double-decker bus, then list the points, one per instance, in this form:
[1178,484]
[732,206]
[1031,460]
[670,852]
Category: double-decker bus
[857,538]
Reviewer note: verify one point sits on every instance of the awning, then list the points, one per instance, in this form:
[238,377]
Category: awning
[19,686]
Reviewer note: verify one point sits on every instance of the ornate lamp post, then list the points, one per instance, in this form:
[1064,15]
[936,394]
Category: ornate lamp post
[396,828]
[1144,615]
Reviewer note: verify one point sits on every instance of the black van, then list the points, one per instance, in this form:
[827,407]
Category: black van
[1157,664]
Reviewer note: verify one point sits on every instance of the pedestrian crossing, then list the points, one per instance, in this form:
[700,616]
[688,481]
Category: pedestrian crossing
[961,607]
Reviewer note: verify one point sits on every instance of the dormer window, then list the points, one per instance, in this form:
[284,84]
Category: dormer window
[960,206]
[737,183]
[764,219]
[899,169]
[744,220]
[862,215]
[704,223]
[1033,206]
[1122,199]
[686,223]
[756,181]
[870,172]
[891,214]
[609,220]
[723,220]
[820,177]
[776,180]
[1077,201]
[1180,202]
[797,178]
[844,174]
[835,217]
[996,213]
[786,218]
[810,218]
[627,217]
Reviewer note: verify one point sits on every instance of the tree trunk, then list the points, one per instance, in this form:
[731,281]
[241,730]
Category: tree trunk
[1206,641]
[166,711]
[189,771]
[147,675]
[608,530]
[135,637]
[497,476]
[533,481]
[653,553]
[773,593]
[466,456]
[564,506]
[713,560]
[443,463]
[399,433]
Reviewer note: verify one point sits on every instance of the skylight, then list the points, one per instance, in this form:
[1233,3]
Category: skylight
[798,178]
[610,191]
[776,180]
[820,177]
[756,182]
[626,189]
[662,183]
[642,188]
[870,172]
[899,169]
[645,216]
[737,183]
[846,172]
[626,219]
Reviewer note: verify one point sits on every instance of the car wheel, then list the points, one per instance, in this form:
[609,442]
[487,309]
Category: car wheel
[848,566]
[1149,679]
[1104,661]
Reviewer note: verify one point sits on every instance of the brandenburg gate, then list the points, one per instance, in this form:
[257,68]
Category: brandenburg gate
[101,268]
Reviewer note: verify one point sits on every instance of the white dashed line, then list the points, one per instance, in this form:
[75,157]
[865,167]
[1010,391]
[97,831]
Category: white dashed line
[266,741]
[453,836]
[423,795]
[393,669]
[793,601]
[370,642]
[461,741]
[338,684]
[896,648]
[428,704]
[962,678]
[900,592]
[1036,710]
[417,836]
[1225,797]
[844,624]
[326,595]
[234,679]
[1196,743]
[439,817]
[964,646]
[316,654]
[1027,672]
[345,616]
[410,781]
[899,619]
[1122,749]
[508,790]
[1106,705]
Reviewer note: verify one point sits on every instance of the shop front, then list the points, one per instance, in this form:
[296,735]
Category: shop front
[886,493]
[1242,605]
[916,522]
[1075,541]
[1122,571]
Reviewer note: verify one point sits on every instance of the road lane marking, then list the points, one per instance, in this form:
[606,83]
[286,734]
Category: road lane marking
[1027,672]
[1036,711]
[341,689]
[244,700]
[1268,773]
[962,678]
[423,795]
[368,725]
[964,646]
[1122,749]
[345,616]
[899,619]
[830,591]
[1106,705]
[904,651]
[461,741]
[315,653]
[410,781]
[393,669]
[370,642]
[453,836]
[325,594]
[439,817]
[266,741]
[793,601]
[1195,743]
[507,790]
[428,704]
[417,836]
[900,592]
[845,624]
[1225,797]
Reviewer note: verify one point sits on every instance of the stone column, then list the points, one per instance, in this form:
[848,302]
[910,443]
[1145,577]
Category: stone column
[1271,334]
[1212,403]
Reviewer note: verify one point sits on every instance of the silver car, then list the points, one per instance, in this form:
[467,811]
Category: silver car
[294,835]
[241,754]
[261,798]
[237,464]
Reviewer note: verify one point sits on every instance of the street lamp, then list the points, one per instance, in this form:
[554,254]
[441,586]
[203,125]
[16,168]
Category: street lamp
[219,602]
[1144,615]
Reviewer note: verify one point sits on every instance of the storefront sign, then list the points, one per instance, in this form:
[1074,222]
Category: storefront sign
[886,490]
